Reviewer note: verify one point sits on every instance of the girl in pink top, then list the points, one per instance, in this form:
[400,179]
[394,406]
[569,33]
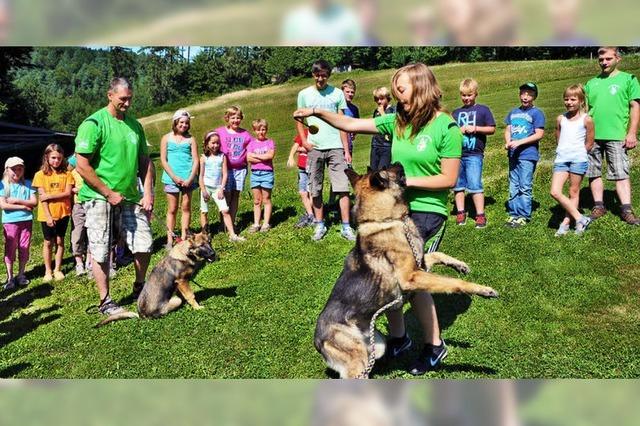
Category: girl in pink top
[233,143]
[260,155]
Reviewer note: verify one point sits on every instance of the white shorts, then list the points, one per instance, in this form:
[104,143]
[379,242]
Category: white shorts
[213,196]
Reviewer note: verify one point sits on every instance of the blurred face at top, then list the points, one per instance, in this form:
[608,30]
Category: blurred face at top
[404,91]
[321,79]
[468,98]
[261,132]
[16,172]
[349,93]
[213,144]
[120,99]
[234,121]
[608,61]
[183,125]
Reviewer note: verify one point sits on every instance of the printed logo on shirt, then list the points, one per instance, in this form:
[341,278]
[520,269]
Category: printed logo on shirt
[613,89]
[133,138]
[467,118]
[422,143]
[83,144]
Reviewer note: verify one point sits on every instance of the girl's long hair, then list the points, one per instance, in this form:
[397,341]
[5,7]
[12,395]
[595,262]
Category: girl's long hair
[205,149]
[425,98]
[46,168]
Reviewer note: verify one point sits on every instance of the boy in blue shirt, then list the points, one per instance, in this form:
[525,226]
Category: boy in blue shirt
[525,128]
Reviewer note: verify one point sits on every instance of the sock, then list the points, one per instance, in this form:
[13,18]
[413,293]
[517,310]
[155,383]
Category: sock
[625,207]
[598,204]
[345,225]
[479,214]
[318,222]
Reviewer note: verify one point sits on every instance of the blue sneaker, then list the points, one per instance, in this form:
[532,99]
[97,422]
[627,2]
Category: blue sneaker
[429,359]
[319,232]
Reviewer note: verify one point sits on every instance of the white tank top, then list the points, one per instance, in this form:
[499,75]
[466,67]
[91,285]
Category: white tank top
[573,135]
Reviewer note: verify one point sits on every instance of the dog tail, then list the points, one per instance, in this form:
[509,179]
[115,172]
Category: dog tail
[117,317]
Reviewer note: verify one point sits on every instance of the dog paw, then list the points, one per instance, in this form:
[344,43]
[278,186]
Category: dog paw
[488,292]
[461,267]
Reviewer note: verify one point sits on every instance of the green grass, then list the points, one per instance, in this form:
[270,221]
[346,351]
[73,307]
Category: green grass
[569,307]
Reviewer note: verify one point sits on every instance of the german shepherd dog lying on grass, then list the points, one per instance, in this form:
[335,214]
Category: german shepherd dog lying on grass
[172,273]
[382,265]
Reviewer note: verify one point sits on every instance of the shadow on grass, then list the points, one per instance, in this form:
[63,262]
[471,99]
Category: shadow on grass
[470,207]
[20,300]
[26,323]
[207,293]
[68,265]
[13,370]
[281,215]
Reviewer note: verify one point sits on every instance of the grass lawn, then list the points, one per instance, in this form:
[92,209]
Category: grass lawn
[569,306]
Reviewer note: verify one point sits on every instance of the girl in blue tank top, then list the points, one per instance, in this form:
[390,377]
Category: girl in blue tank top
[178,152]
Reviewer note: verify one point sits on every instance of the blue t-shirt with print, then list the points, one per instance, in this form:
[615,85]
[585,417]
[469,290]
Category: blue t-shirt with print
[524,122]
[20,192]
[474,115]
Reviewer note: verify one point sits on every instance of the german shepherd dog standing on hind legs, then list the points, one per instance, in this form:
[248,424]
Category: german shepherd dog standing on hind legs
[382,265]
[172,273]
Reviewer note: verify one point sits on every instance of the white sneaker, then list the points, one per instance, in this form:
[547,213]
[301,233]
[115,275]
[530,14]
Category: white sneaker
[319,232]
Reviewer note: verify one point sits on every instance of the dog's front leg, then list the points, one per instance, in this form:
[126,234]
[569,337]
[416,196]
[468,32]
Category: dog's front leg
[432,283]
[437,258]
[185,290]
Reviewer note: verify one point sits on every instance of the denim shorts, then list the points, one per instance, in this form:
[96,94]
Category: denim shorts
[303,180]
[573,167]
[235,181]
[470,176]
[171,188]
[262,179]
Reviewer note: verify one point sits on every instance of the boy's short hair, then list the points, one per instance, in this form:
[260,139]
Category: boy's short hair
[380,92]
[257,123]
[349,83]
[603,49]
[469,85]
[321,65]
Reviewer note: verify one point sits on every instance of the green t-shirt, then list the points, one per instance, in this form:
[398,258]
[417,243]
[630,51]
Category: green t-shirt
[421,156]
[328,99]
[609,99]
[116,146]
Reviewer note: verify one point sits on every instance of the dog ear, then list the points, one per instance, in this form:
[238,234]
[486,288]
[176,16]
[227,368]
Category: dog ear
[352,175]
[379,179]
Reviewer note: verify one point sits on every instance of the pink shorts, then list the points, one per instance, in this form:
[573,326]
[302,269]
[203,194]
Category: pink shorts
[17,235]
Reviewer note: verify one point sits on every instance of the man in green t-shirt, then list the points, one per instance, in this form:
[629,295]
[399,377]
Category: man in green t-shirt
[111,152]
[613,97]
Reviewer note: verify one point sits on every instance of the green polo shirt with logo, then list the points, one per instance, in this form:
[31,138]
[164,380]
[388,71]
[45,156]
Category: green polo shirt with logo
[116,146]
[608,98]
[422,155]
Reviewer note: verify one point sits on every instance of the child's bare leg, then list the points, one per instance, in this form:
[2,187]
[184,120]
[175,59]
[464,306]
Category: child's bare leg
[172,210]
[575,181]
[226,218]
[478,202]
[266,202]
[306,202]
[257,205]
[557,182]
[46,256]
[59,253]
[186,213]
[459,199]
[203,220]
